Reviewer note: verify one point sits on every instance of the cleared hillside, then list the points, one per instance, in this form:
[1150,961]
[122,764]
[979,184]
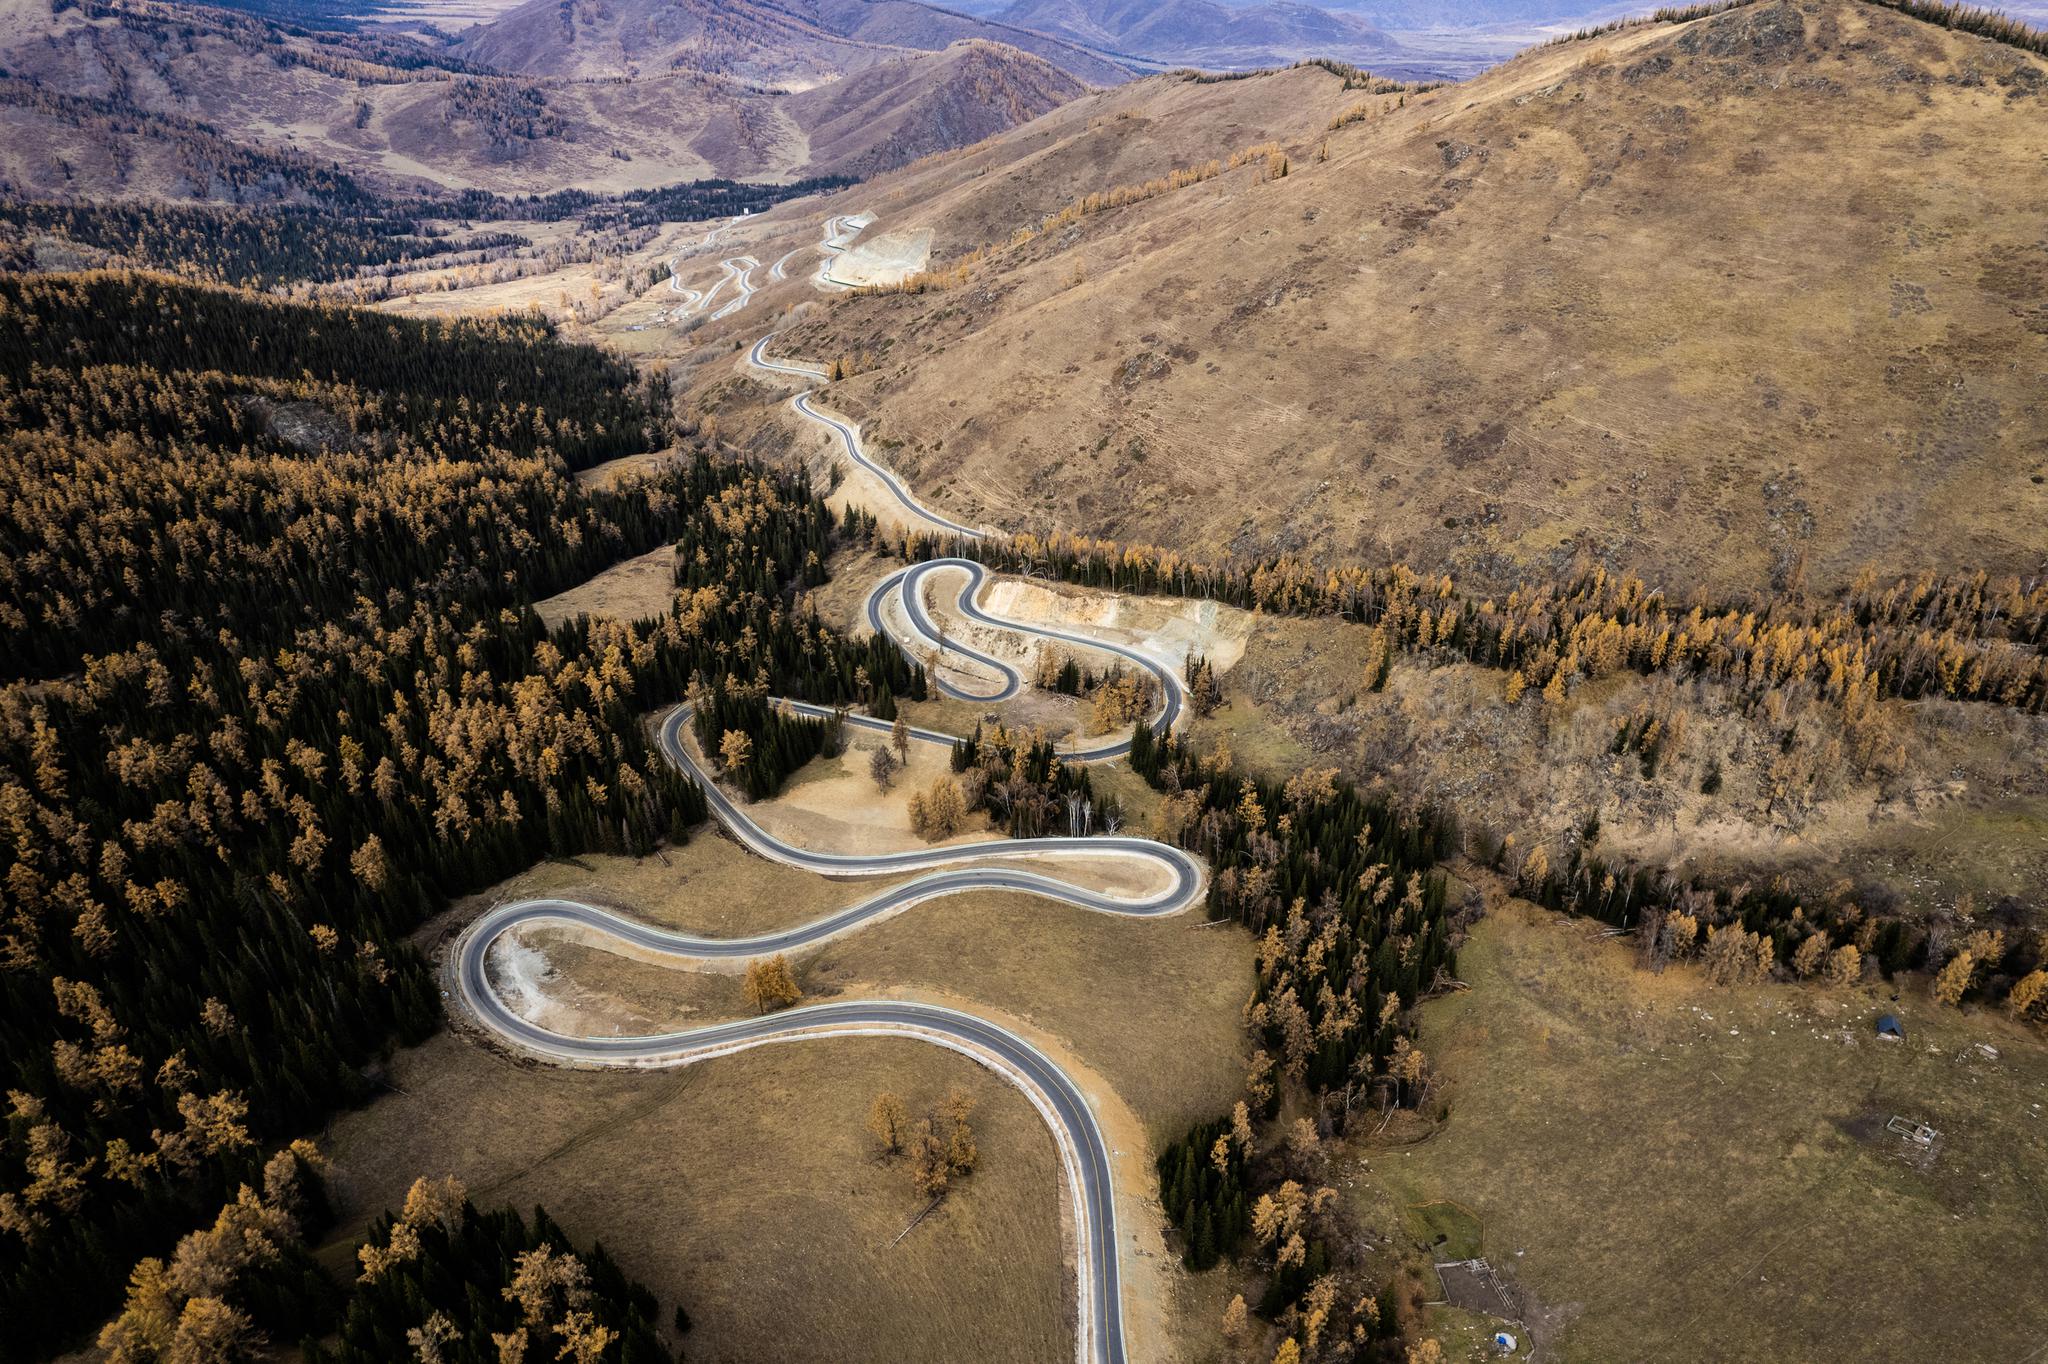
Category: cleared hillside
[1732,301]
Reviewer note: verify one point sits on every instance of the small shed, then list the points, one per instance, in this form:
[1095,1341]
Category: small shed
[1890,1029]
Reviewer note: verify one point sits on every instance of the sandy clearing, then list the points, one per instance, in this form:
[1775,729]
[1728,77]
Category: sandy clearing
[832,804]
[609,473]
[1168,628]
[887,259]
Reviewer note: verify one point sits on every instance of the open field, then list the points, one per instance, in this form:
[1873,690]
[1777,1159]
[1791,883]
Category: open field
[632,590]
[747,1189]
[746,1184]
[1682,1172]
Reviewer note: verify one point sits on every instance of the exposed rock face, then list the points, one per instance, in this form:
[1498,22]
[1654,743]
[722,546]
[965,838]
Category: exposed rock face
[1753,31]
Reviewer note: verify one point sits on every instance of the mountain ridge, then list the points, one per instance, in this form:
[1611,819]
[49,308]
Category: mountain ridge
[788,45]
[173,90]
[1198,32]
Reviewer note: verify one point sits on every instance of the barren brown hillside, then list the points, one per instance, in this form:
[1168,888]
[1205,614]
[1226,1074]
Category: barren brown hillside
[1761,294]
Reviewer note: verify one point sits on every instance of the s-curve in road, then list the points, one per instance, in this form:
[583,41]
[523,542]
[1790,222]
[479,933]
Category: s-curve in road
[1084,1153]
[849,438]
[906,588]
[840,230]
[740,270]
[1180,865]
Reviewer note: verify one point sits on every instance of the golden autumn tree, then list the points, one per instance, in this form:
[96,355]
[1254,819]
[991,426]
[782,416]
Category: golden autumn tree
[735,751]
[1954,980]
[2029,998]
[930,1172]
[887,1122]
[961,1153]
[1236,1320]
[938,811]
[770,985]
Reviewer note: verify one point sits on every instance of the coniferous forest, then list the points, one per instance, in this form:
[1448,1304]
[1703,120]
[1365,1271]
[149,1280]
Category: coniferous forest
[276,695]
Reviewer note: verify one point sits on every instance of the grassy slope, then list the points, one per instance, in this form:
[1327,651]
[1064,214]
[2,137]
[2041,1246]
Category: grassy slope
[1703,299]
[1685,1172]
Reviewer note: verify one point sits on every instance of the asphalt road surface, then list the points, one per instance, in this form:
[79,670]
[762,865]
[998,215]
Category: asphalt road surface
[906,587]
[849,439]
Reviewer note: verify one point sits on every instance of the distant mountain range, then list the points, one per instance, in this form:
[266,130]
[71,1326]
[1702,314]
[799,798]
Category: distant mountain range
[164,98]
[158,99]
[779,43]
[1202,33]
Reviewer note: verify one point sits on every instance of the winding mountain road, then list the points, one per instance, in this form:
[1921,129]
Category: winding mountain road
[849,439]
[740,270]
[905,585]
[906,588]
[930,873]
[1084,1152]
[840,230]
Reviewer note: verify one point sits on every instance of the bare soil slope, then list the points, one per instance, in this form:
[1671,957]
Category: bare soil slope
[1727,300]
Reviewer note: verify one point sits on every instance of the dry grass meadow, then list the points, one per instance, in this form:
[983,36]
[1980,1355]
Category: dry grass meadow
[1677,1171]
[746,1187]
